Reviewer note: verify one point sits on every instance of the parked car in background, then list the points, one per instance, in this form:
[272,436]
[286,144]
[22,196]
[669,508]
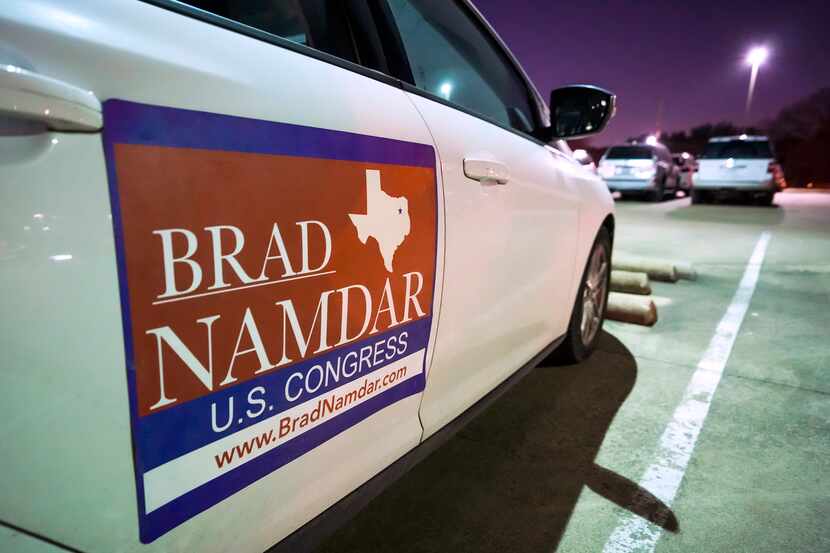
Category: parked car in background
[686,165]
[227,231]
[643,169]
[738,166]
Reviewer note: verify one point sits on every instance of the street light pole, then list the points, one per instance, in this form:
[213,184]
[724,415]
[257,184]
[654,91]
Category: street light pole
[752,77]
[755,58]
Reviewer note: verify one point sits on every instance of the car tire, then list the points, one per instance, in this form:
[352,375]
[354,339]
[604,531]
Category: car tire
[699,197]
[766,199]
[581,339]
[659,192]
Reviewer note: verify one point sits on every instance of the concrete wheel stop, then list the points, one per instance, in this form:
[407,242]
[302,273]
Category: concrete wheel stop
[628,300]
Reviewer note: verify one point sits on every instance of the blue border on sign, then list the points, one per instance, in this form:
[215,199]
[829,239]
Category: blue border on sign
[161,439]
[171,514]
[134,123]
[131,123]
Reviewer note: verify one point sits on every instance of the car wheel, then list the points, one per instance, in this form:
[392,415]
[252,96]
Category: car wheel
[698,196]
[659,192]
[766,199]
[588,312]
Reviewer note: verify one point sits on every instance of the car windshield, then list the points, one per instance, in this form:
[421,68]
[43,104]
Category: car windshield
[629,152]
[745,149]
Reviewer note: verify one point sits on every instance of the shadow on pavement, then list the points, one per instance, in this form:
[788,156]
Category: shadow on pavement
[731,213]
[511,479]
[629,495]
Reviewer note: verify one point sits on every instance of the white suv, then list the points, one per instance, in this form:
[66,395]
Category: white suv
[258,256]
[643,169]
[741,166]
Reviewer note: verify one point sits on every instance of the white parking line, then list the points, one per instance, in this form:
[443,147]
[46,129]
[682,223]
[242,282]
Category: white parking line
[663,477]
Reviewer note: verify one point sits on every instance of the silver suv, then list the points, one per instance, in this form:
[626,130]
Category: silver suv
[645,169]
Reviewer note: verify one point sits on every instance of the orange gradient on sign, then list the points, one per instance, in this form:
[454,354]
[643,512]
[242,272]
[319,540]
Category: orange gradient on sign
[179,191]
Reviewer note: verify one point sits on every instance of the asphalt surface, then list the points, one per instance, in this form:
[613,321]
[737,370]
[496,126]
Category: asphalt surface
[556,463]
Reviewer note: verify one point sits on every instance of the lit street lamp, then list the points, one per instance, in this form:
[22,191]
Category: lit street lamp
[754,58]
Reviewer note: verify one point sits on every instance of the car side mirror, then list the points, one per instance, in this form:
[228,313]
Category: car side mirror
[579,110]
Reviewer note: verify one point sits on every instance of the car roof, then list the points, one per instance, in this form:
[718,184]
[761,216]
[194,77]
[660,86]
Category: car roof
[748,138]
[653,147]
[635,145]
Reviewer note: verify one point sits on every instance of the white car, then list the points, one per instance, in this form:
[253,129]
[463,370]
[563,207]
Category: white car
[743,166]
[643,169]
[257,257]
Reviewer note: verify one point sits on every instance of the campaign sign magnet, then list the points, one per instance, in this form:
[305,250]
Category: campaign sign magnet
[276,287]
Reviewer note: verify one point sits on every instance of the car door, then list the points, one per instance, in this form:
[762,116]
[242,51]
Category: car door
[216,314]
[511,215]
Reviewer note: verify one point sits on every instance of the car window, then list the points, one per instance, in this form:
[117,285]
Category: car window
[319,24]
[452,58]
[745,149]
[629,152]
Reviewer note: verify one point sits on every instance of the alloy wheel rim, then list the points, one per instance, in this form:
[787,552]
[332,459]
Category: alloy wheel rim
[593,295]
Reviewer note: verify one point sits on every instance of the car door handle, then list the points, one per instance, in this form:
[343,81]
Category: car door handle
[59,105]
[486,170]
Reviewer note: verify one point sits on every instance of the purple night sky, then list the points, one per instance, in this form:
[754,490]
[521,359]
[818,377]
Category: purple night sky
[690,54]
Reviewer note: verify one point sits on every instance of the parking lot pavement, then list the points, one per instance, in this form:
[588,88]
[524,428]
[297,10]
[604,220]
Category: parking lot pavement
[557,463]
